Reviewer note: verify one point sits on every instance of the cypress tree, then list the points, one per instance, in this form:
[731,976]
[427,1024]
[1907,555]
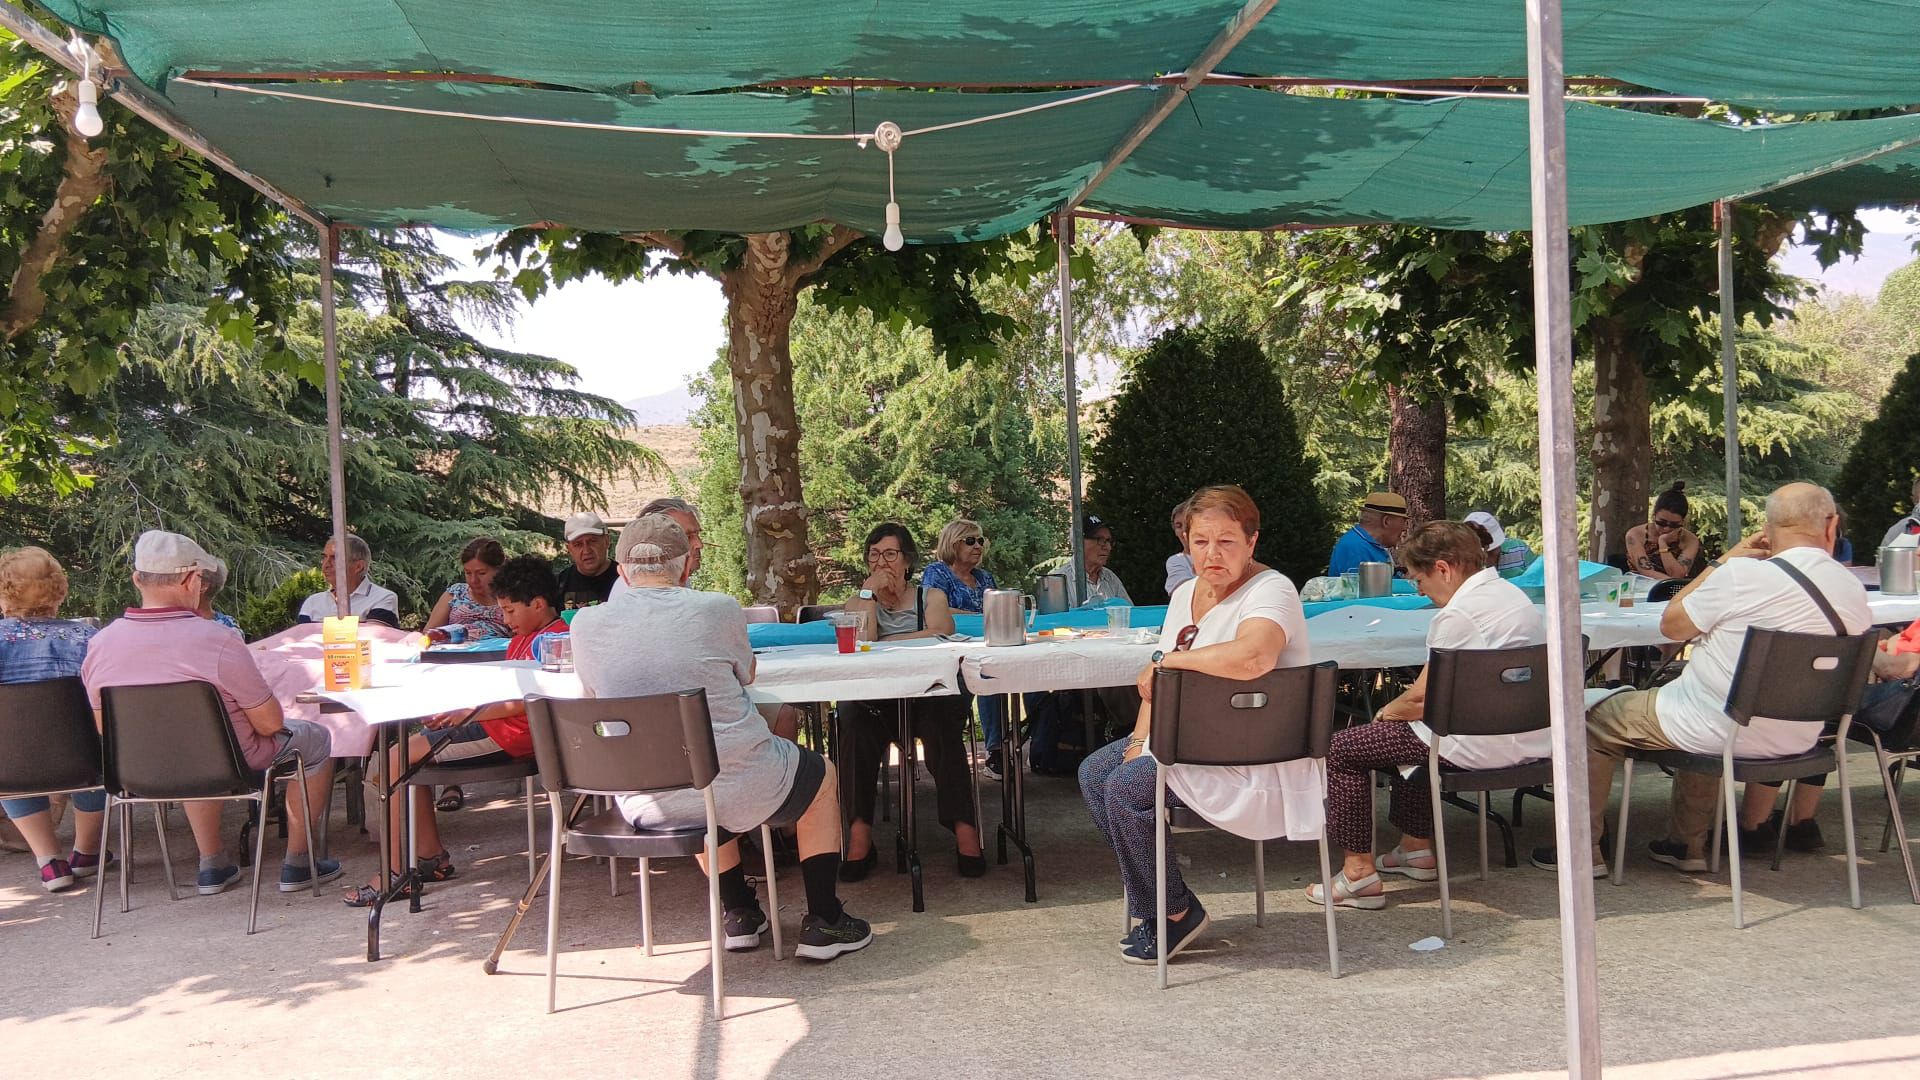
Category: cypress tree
[1875,486]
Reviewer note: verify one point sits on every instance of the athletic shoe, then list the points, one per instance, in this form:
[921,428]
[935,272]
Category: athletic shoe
[56,876]
[992,766]
[87,863]
[1675,855]
[214,882]
[744,928]
[1180,934]
[1140,932]
[821,940]
[1804,836]
[1546,858]
[294,877]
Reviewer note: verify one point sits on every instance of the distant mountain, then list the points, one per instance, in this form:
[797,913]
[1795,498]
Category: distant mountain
[670,407]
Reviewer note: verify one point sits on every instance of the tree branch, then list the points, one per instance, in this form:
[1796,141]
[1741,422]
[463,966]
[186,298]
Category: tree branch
[658,241]
[83,182]
[839,238]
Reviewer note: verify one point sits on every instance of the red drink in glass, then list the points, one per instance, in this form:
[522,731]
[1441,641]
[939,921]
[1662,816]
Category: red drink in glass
[843,637]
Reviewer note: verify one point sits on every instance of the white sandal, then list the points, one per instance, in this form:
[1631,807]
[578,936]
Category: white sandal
[1401,864]
[1344,894]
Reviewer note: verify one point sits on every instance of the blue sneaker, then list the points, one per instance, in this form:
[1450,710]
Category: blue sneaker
[214,882]
[294,877]
[1141,931]
[1181,933]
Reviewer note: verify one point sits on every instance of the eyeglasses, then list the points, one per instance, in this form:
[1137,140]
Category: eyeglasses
[1669,523]
[1104,541]
[974,541]
[1185,640]
[885,554]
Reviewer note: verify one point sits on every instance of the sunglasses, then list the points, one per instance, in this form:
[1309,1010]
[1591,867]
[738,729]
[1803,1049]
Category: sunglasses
[974,541]
[1185,639]
[1669,523]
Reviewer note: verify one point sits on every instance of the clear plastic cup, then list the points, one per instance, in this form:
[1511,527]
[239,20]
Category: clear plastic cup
[1119,619]
[846,627]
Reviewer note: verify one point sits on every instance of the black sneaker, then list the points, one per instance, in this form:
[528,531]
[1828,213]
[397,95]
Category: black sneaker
[992,766]
[744,928]
[821,940]
[1180,934]
[1675,855]
[1546,858]
[1140,932]
[1801,836]
[1757,843]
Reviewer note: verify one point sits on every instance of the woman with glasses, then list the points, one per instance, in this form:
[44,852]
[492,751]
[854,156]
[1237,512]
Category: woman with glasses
[1665,547]
[956,571]
[898,610]
[1237,619]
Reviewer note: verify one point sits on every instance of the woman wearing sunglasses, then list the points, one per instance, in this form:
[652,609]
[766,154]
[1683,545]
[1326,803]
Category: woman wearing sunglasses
[897,609]
[956,571]
[1237,619]
[1665,547]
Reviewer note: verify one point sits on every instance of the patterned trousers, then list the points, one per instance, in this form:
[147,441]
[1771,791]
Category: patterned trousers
[1119,795]
[1355,754]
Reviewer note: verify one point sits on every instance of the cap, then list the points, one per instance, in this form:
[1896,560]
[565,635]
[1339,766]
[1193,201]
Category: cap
[1385,502]
[1490,523]
[651,539]
[159,552]
[1093,523]
[584,523]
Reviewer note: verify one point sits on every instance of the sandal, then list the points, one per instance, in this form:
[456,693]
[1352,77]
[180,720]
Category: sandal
[436,868]
[1345,893]
[366,895]
[451,799]
[1408,864]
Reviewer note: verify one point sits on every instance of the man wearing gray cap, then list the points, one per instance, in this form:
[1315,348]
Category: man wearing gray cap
[661,637]
[590,576]
[164,640]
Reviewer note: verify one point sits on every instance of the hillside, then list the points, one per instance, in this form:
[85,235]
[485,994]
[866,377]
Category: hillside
[676,443]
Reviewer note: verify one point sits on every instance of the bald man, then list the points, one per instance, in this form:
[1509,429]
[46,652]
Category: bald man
[1746,587]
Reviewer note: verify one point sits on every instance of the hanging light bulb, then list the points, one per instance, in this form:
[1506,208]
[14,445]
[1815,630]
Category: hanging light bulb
[86,119]
[888,138]
[892,239]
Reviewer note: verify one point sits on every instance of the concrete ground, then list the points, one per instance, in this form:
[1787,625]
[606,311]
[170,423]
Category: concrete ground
[981,984]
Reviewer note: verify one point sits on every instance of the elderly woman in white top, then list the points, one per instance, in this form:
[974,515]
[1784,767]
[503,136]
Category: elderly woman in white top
[1237,620]
[1478,610]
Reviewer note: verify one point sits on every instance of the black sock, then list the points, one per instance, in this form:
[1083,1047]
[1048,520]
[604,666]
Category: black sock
[735,893]
[821,873]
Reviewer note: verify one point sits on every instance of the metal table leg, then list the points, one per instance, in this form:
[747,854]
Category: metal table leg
[909,853]
[1013,797]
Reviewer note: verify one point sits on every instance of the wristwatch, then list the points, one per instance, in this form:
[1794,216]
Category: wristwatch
[1158,655]
[866,594]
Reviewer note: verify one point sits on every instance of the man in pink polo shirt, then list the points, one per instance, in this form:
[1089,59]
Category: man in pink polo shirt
[165,640]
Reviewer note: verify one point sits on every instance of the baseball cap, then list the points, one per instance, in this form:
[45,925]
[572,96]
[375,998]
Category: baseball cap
[1490,523]
[583,524]
[157,552]
[1385,502]
[651,539]
[1093,523]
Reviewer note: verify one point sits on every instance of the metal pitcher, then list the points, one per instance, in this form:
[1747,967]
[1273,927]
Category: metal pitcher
[1897,570]
[1376,579]
[1008,615]
[1051,595]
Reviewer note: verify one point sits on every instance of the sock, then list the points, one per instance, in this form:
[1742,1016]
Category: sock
[735,893]
[46,861]
[821,873]
[216,861]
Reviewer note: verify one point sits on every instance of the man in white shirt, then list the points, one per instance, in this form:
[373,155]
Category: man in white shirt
[1744,588]
[364,596]
[1179,565]
[1102,586]
[1908,525]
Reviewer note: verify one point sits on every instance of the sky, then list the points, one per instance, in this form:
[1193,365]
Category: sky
[641,339]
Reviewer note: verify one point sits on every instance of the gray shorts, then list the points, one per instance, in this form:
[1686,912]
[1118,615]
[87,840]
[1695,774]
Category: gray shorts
[312,742]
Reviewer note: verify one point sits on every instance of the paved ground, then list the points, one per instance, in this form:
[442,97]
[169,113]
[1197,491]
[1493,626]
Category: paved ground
[981,984]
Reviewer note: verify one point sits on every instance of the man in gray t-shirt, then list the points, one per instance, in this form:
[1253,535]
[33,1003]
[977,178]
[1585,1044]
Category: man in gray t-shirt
[659,637]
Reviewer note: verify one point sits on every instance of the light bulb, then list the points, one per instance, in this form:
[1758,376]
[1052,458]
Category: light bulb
[892,239]
[86,119]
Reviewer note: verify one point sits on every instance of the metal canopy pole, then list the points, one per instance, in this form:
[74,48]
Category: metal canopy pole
[1729,370]
[1063,249]
[1553,357]
[336,459]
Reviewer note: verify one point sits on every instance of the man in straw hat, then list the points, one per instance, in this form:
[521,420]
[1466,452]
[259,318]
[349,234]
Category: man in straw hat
[1383,521]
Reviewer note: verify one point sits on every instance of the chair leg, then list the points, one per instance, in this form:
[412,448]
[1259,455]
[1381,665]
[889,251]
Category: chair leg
[1160,871]
[259,855]
[556,854]
[715,934]
[1259,883]
[1846,823]
[533,843]
[1895,824]
[1780,835]
[1483,836]
[1439,844]
[1620,830]
[1895,778]
[1732,814]
[646,905]
[166,855]
[1326,890]
[773,889]
[126,855]
[106,842]
[1721,815]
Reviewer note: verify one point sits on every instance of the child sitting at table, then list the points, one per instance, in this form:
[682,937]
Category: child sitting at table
[529,598]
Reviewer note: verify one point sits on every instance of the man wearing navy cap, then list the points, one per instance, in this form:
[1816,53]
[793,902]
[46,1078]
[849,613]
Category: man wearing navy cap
[1096,546]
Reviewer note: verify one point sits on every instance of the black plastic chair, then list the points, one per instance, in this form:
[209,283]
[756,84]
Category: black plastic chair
[48,744]
[1894,752]
[1800,678]
[1284,715]
[434,774]
[1482,692]
[620,746]
[173,742]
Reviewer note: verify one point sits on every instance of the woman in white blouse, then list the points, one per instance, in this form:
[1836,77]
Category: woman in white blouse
[1478,610]
[1236,619]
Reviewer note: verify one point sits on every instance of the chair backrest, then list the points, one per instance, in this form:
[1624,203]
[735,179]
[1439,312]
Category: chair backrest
[170,741]
[1488,691]
[762,613]
[1284,715]
[616,746]
[1804,678]
[1665,589]
[816,612]
[47,738]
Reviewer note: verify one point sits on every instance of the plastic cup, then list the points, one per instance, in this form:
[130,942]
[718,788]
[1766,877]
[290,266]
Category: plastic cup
[1119,619]
[556,652]
[456,634]
[846,626]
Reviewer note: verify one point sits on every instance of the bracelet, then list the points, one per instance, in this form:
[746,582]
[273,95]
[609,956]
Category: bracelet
[1136,742]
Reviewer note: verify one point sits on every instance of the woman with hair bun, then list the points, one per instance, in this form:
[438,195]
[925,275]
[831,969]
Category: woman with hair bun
[1665,547]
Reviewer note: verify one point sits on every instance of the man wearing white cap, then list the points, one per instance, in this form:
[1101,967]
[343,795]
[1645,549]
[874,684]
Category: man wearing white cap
[164,640]
[590,577]
[1509,556]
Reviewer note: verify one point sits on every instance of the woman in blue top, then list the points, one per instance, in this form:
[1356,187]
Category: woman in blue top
[956,571]
[35,645]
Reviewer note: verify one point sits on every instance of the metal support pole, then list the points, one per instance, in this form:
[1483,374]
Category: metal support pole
[1063,241]
[1553,337]
[1730,370]
[336,459]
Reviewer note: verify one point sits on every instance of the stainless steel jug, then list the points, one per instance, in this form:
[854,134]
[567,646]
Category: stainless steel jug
[1051,595]
[1376,579]
[1897,571]
[1008,615]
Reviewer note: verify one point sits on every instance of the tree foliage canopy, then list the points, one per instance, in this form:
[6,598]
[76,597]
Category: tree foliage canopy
[1875,486]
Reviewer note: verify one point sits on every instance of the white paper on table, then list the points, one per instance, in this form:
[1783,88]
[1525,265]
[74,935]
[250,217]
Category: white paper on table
[411,691]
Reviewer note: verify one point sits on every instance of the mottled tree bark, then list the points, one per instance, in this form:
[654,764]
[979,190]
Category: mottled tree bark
[1417,453]
[84,180]
[1622,441]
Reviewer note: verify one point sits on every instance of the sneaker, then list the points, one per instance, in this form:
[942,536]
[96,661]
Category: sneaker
[213,882]
[87,863]
[1757,843]
[1140,932]
[1675,855]
[294,877]
[993,767]
[1546,858]
[1180,934]
[744,928]
[1805,836]
[56,876]
[822,940]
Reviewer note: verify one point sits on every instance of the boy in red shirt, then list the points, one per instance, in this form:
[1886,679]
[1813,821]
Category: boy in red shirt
[529,598]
